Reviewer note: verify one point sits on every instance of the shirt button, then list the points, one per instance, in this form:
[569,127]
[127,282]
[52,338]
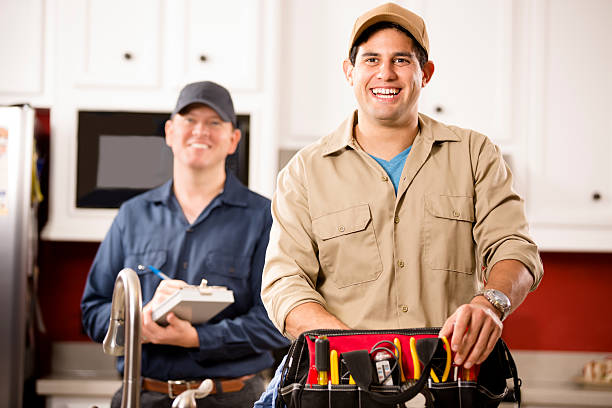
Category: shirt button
[400,263]
[189,230]
[396,219]
[456,213]
[184,265]
[341,228]
[384,178]
[404,308]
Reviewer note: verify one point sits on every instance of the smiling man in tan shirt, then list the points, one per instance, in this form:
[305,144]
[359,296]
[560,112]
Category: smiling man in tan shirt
[357,244]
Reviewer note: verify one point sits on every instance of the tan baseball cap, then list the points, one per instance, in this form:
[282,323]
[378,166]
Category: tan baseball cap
[392,13]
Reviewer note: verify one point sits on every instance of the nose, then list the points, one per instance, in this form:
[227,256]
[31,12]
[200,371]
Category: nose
[386,71]
[200,129]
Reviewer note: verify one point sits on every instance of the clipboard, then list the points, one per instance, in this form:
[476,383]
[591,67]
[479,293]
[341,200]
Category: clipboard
[198,304]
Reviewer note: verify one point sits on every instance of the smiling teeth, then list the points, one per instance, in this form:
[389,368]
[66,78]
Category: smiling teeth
[200,146]
[385,92]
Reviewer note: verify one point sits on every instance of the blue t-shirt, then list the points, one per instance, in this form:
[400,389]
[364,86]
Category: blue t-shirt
[394,166]
[226,245]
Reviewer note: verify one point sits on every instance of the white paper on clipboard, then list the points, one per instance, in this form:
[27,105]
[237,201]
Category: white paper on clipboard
[198,304]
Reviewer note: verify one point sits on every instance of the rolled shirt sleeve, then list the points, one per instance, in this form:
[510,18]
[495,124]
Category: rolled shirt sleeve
[501,229]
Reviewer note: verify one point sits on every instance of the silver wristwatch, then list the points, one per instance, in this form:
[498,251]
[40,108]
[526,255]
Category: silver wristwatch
[498,299]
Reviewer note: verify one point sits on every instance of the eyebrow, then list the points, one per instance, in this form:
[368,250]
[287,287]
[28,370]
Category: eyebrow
[395,54]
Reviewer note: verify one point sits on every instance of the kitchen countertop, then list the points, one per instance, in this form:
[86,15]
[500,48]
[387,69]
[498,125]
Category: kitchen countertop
[549,379]
[78,384]
[79,369]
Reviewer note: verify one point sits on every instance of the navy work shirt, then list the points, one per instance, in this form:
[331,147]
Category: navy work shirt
[226,245]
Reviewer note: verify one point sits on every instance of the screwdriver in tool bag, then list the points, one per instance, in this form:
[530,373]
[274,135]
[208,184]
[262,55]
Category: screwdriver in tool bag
[322,359]
[333,366]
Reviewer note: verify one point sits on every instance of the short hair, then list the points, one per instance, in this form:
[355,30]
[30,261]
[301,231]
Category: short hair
[419,51]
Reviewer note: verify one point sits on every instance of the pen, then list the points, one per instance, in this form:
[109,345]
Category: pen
[158,272]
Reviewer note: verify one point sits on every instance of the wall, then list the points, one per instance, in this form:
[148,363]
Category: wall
[569,311]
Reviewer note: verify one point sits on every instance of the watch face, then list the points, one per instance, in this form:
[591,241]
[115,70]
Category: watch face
[498,299]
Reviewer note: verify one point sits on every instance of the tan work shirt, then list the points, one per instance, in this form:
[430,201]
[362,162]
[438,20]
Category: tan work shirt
[341,236]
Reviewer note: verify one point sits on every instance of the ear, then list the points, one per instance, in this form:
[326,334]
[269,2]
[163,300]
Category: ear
[235,139]
[348,68]
[168,129]
[428,71]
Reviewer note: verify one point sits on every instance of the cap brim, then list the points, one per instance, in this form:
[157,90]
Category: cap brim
[206,102]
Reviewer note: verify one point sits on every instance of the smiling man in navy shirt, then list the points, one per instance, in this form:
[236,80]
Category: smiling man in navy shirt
[203,223]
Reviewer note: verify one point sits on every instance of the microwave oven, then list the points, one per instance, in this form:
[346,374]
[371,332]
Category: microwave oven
[122,154]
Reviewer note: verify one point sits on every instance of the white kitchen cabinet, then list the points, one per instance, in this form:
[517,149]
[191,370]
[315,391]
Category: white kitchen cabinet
[21,46]
[222,40]
[471,47]
[570,130]
[315,97]
[115,42]
[27,46]
[128,44]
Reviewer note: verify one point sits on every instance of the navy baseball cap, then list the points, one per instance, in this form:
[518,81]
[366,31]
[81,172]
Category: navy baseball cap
[207,93]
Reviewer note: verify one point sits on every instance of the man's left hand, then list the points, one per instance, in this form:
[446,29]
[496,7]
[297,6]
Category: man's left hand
[475,328]
[178,332]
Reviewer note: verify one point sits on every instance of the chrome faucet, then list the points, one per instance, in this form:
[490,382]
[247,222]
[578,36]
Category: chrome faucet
[124,333]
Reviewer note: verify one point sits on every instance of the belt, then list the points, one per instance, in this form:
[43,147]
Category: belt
[175,387]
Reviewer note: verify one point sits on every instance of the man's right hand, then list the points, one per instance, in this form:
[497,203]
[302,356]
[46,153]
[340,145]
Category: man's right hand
[165,289]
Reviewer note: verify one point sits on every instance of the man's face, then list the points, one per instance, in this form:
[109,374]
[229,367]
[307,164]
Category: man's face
[200,139]
[387,78]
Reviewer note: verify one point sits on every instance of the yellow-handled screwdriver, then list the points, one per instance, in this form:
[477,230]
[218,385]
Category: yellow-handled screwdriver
[333,367]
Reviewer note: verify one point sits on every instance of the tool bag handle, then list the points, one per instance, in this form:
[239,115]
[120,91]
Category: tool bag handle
[359,364]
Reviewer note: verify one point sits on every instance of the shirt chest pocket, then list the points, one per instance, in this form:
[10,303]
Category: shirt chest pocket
[140,261]
[227,265]
[449,239]
[348,250]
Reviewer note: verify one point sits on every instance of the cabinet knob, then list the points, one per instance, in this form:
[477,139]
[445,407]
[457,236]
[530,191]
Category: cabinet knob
[203,58]
[127,56]
[596,196]
[439,109]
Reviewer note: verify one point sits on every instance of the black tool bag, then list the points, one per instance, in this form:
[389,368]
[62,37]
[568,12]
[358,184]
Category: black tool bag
[366,378]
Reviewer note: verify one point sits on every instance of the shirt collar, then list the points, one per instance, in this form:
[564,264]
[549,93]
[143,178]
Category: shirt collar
[430,130]
[341,138]
[232,194]
[233,191]
[162,194]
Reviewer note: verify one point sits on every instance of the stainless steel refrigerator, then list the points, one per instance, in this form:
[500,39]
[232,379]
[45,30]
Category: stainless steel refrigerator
[17,246]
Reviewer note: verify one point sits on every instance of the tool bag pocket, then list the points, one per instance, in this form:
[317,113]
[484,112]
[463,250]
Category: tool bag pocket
[386,368]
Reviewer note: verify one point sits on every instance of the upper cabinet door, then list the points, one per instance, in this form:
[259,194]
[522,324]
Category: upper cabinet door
[21,47]
[222,42]
[117,42]
[570,104]
[471,47]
